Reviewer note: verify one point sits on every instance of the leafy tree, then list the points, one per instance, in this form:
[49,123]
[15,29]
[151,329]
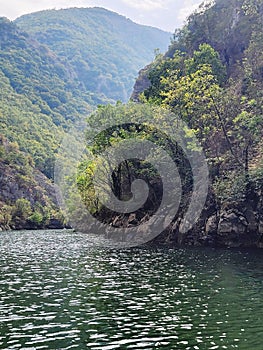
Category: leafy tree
[6,215]
[22,209]
[123,175]
[226,115]
[36,218]
[162,68]
[206,55]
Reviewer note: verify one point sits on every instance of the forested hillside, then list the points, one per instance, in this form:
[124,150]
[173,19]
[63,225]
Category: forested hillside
[27,196]
[43,91]
[58,65]
[106,50]
[212,77]
[39,95]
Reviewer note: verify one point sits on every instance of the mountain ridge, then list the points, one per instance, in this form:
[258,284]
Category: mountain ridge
[110,71]
[42,94]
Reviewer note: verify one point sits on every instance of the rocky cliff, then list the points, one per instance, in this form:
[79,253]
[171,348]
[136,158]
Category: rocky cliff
[233,29]
[27,196]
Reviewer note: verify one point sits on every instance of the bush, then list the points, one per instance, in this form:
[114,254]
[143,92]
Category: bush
[22,209]
[6,215]
[230,187]
[36,218]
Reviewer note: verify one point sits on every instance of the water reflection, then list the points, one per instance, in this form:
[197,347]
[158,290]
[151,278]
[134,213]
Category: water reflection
[57,291]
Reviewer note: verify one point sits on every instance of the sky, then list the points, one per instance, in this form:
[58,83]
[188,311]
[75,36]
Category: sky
[165,14]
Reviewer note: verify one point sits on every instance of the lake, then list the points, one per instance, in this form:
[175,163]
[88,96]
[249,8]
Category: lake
[59,291]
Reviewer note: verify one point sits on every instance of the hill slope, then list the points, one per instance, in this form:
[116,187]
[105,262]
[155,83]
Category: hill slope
[231,27]
[212,77]
[227,25]
[40,95]
[105,49]
[82,58]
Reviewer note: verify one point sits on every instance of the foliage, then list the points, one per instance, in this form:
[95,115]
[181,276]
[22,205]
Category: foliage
[65,62]
[36,218]
[230,187]
[221,24]
[26,195]
[128,126]
[31,80]
[206,55]
[52,82]
[55,66]
[22,209]
[201,80]
[105,50]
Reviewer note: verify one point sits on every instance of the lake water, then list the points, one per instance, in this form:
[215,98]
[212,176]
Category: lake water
[58,291]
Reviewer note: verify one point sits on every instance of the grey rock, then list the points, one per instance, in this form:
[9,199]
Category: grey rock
[211,225]
[232,223]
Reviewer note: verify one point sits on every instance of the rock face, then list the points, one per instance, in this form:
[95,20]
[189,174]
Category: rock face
[232,223]
[36,189]
[15,185]
[211,225]
[142,83]
[235,224]
[27,196]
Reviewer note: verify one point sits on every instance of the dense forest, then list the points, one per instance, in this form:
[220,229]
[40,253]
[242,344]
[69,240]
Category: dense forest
[106,50]
[131,177]
[47,87]
[212,79]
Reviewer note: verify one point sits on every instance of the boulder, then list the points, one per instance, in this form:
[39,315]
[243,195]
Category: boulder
[232,223]
[211,225]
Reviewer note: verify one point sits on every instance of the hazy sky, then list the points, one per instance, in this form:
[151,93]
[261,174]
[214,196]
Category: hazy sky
[165,14]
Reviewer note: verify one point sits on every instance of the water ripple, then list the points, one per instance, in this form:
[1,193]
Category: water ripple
[57,291]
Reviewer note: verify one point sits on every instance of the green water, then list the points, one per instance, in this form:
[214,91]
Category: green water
[57,291]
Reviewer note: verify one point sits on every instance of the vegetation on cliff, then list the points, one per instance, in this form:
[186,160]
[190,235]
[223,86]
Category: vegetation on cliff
[212,79]
[217,88]
[50,65]
[27,197]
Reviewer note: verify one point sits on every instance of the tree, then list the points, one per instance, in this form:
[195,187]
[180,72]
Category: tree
[6,215]
[206,55]
[162,68]
[22,210]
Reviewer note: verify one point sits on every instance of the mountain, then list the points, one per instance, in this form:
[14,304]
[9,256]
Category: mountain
[105,50]
[53,73]
[40,95]
[55,67]
[227,25]
[212,77]
[231,27]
